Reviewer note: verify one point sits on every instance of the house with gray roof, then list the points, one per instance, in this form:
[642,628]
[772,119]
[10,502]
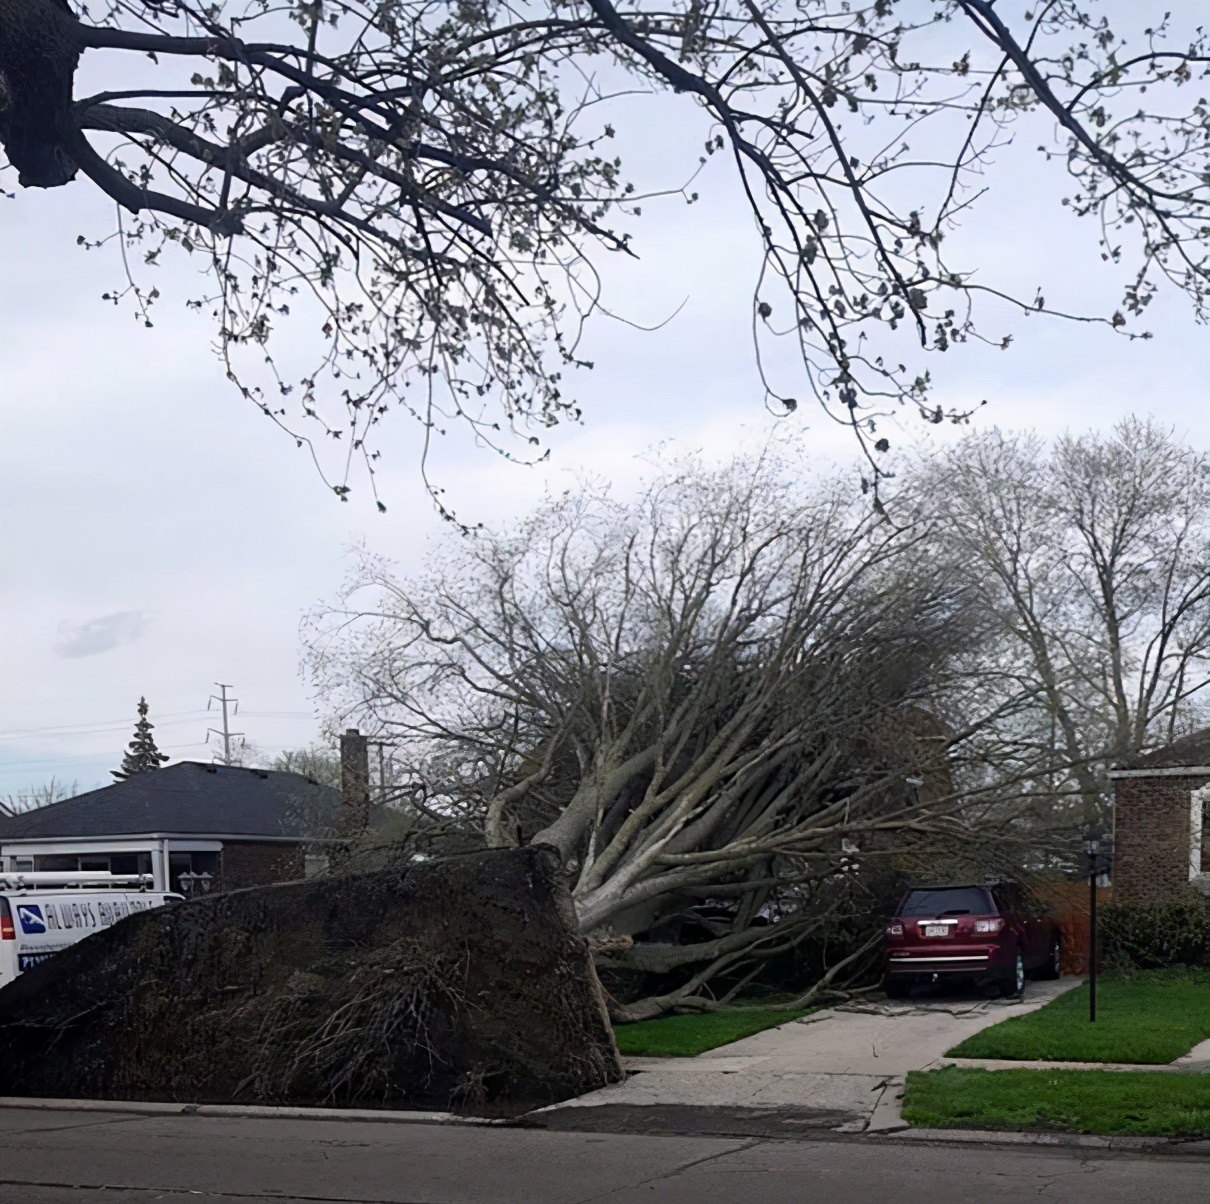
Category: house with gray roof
[191,825]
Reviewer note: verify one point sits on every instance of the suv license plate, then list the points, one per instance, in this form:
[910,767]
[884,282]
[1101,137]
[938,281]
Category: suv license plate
[935,930]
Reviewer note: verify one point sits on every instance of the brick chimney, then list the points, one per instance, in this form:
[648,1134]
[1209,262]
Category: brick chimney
[355,773]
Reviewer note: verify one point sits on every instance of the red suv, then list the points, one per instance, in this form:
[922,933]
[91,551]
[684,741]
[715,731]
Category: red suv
[994,935]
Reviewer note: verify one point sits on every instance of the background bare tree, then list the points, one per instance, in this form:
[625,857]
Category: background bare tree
[34,797]
[1090,562]
[431,184]
[719,702]
[318,761]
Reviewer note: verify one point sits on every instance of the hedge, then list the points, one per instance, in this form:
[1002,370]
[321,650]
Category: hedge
[1156,936]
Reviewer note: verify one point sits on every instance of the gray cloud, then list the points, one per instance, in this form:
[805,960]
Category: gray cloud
[100,635]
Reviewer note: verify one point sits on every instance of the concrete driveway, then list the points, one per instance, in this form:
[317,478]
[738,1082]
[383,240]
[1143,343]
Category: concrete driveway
[842,1069]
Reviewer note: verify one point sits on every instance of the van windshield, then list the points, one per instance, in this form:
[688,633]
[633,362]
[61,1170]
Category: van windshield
[949,901]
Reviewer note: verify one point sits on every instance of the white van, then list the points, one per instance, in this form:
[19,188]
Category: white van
[41,913]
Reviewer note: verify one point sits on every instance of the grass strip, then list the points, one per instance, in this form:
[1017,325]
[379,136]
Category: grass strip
[692,1033]
[1150,1017]
[1112,1103]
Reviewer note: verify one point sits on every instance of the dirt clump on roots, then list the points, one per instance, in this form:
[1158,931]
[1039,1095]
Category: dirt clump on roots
[456,985]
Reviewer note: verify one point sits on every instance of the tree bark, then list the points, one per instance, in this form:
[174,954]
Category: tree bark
[39,51]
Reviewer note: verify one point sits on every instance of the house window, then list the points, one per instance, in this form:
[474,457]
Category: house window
[112,863]
[1199,828]
[1204,831]
[198,869]
[59,862]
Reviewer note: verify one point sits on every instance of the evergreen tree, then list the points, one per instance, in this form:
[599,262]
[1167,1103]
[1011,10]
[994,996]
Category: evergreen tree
[141,754]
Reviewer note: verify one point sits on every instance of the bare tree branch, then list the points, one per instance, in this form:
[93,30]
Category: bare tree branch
[429,186]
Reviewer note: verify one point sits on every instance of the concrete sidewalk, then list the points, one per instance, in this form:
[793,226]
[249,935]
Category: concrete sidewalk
[1196,1061]
[842,1068]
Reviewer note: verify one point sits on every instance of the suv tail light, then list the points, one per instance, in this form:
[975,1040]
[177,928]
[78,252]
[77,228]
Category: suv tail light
[7,932]
[989,925]
[895,929]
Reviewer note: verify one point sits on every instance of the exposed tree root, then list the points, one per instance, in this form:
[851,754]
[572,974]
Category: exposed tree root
[460,984]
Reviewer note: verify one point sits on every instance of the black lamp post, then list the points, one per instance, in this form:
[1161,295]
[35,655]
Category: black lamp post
[1092,847]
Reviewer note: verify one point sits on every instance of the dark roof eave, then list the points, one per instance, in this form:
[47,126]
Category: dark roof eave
[1191,752]
[246,837]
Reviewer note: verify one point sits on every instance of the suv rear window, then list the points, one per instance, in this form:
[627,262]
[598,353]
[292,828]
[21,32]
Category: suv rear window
[948,901]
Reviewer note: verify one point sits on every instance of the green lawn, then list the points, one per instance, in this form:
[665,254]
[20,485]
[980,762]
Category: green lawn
[695,1032]
[1144,1103]
[1151,1017]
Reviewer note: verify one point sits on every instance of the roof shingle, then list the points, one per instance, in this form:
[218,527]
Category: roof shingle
[189,797]
[1193,749]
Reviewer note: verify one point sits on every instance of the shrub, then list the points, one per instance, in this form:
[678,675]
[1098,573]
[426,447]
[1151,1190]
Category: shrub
[1156,936]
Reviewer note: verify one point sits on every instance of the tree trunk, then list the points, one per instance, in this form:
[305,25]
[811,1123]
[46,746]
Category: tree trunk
[39,50]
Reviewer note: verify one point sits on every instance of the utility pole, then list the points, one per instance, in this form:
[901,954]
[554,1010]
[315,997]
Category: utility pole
[1092,847]
[382,746]
[227,734]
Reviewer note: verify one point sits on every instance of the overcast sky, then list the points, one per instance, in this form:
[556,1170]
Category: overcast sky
[159,535]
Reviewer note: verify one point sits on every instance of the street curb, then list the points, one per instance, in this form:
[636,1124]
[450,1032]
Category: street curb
[1176,1067]
[248,1111]
[1197,1147]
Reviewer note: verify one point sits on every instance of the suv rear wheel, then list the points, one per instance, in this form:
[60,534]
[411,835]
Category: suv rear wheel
[1052,967]
[1013,983]
[897,986]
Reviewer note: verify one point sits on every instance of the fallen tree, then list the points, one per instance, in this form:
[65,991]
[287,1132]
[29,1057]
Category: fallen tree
[719,703]
[457,984]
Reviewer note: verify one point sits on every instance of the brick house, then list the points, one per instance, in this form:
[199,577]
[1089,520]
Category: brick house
[1162,823]
[219,826]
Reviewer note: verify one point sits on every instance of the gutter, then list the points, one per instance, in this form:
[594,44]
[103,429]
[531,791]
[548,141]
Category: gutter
[9,841]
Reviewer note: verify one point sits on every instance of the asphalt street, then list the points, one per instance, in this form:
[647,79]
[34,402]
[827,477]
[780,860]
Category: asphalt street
[58,1157]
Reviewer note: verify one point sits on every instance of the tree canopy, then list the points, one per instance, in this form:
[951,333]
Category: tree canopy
[430,186]
[1089,561]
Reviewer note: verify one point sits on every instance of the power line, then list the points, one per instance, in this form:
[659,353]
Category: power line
[102,727]
[54,737]
[73,731]
[83,758]
[98,727]
[104,757]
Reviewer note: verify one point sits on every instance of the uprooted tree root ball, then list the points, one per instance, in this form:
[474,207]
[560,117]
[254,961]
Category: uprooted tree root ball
[458,984]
